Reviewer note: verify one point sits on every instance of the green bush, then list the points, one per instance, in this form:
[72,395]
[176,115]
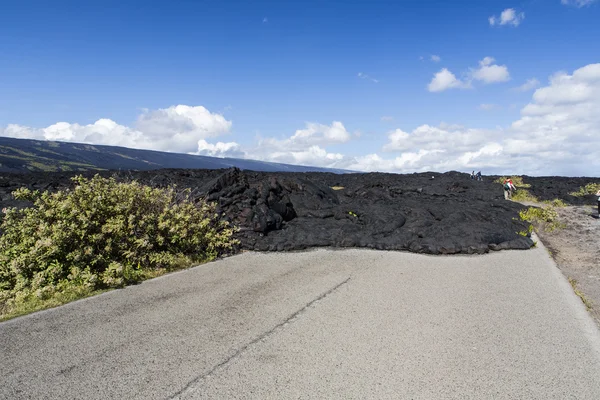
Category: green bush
[99,235]
[547,217]
[590,188]
[524,195]
[555,203]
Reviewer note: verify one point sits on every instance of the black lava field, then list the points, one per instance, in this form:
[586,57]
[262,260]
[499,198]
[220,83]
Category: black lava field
[424,213]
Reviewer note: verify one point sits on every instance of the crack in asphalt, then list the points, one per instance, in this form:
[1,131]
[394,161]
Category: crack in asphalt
[259,338]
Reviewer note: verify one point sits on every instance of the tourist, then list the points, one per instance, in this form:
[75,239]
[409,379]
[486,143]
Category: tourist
[472,175]
[479,178]
[508,188]
[598,194]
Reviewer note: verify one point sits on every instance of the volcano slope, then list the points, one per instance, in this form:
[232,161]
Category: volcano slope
[424,213]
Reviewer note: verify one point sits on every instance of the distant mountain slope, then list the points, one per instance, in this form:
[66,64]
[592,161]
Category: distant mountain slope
[26,155]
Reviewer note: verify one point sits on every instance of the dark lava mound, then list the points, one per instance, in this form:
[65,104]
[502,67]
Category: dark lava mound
[424,213]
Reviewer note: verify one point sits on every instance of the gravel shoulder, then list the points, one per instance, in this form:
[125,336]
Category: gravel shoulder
[576,250]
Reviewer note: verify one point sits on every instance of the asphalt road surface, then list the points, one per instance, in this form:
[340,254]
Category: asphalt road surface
[352,324]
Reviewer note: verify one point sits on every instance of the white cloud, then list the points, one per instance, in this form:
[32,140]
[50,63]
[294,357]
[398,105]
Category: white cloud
[177,129]
[488,72]
[577,3]
[435,58]
[321,134]
[367,77]
[487,106]
[528,85]
[219,149]
[558,133]
[509,17]
[265,20]
[305,147]
[444,80]
[386,118]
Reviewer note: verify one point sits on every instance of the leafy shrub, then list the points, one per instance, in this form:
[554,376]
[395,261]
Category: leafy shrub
[555,203]
[524,195]
[102,234]
[546,217]
[590,188]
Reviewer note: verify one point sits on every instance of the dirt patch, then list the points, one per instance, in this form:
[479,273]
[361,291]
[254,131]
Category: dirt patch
[576,250]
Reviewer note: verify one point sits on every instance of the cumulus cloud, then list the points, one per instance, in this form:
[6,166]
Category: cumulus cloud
[528,85]
[176,129]
[306,146]
[435,58]
[220,149]
[557,133]
[577,3]
[444,80]
[509,17]
[489,72]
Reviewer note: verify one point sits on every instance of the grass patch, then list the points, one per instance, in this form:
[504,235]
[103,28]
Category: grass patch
[18,151]
[337,188]
[524,195]
[555,203]
[590,188]
[43,167]
[579,293]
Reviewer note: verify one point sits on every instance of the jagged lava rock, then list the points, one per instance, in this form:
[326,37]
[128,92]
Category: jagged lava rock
[424,213]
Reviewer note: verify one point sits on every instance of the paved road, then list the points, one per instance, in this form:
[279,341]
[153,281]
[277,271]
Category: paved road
[352,324]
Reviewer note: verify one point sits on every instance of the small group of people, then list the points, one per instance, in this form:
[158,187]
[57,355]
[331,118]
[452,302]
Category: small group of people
[476,176]
[509,188]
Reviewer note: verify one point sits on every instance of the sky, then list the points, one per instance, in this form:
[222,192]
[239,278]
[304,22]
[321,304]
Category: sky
[368,85]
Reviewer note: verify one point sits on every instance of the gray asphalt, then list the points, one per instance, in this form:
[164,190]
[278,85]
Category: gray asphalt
[352,324]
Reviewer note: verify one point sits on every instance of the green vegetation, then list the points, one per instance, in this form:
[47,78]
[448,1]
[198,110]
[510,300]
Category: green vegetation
[35,162]
[39,148]
[521,194]
[352,214]
[517,181]
[524,195]
[42,167]
[527,232]
[555,203]
[18,151]
[590,188]
[545,217]
[337,187]
[585,300]
[100,235]
[124,156]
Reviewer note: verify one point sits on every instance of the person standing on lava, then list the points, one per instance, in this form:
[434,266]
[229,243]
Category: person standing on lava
[508,188]
[598,194]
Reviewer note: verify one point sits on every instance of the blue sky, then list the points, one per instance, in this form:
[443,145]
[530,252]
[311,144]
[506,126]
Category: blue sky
[262,71]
